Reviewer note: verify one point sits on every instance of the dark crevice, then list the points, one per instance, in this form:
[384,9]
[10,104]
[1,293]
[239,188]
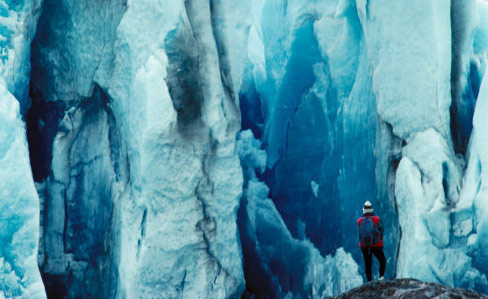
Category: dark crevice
[56,285]
[445,184]
[251,108]
[257,282]
[42,121]
[183,77]
[298,123]
[395,162]
[88,206]
[207,225]
[182,284]
[143,232]
[465,78]
[118,155]
[457,36]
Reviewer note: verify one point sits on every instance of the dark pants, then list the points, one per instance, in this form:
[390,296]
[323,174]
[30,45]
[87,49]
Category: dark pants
[368,260]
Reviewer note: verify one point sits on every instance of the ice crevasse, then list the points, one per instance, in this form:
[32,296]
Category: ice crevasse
[210,149]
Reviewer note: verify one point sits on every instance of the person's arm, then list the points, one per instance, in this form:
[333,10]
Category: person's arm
[380,227]
[359,225]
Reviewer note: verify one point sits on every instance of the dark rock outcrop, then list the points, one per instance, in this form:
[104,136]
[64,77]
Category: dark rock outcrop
[407,288]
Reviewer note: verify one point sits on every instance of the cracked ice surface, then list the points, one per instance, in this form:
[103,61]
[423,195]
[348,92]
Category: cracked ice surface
[145,181]
[166,174]
[427,190]
[17,28]
[403,58]
[19,204]
[268,246]
[475,191]
[19,207]
[428,181]
[200,200]
[410,57]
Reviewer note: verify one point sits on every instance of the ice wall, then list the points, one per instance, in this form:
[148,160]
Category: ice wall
[19,204]
[435,230]
[19,207]
[132,130]
[473,195]
[399,44]
[78,200]
[76,148]
[357,100]
[19,20]
[139,105]
[184,168]
[310,88]
[276,264]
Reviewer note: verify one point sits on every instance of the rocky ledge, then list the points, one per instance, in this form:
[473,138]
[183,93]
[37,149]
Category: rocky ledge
[408,288]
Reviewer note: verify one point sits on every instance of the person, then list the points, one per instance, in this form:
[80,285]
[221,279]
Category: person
[370,230]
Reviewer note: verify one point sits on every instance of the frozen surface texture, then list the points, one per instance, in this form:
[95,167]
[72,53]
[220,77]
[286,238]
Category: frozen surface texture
[269,248]
[133,108]
[144,182]
[309,99]
[475,192]
[19,207]
[17,28]
[373,100]
[19,203]
[400,43]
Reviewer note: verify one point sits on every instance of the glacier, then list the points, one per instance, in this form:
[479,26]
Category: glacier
[224,149]
[20,218]
[142,126]
[19,205]
[268,246]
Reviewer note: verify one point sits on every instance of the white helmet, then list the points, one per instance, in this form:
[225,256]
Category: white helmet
[367,208]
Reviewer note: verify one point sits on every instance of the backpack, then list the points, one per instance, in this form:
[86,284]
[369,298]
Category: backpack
[368,232]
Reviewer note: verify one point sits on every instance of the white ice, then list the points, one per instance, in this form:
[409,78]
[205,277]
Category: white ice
[19,207]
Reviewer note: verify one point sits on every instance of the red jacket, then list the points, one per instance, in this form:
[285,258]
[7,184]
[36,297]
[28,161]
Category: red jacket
[377,221]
